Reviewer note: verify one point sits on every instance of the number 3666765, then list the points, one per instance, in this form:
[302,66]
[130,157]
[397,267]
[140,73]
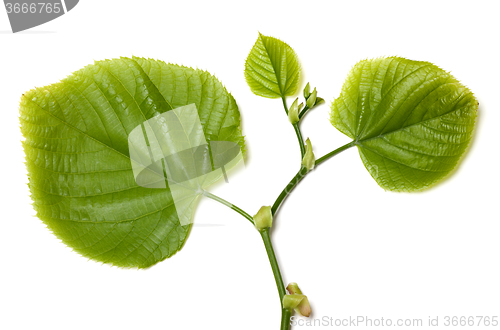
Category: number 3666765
[32,8]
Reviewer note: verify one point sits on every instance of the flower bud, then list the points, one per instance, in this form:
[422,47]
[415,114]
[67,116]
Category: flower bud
[307,91]
[263,219]
[293,112]
[309,159]
[311,100]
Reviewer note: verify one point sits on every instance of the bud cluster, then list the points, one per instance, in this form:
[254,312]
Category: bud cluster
[297,111]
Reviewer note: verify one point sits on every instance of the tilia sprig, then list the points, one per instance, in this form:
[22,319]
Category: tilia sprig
[118,152]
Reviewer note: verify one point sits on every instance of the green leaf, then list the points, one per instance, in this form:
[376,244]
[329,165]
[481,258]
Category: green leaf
[77,155]
[272,69]
[410,120]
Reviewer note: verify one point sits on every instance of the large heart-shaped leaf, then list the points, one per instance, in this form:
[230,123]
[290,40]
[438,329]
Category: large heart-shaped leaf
[410,120]
[77,154]
[272,69]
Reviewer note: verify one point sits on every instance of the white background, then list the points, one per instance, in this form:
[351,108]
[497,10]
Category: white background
[353,248]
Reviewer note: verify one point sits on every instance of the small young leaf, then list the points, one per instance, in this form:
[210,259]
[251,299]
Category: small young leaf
[410,120]
[77,155]
[272,69]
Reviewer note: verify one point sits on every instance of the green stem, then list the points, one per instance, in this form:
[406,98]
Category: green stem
[232,206]
[266,238]
[285,314]
[301,140]
[302,173]
[285,319]
[289,187]
[303,112]
[297,131]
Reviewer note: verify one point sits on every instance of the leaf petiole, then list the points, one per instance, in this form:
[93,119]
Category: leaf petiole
[335,152]
[284,104]
[226,203]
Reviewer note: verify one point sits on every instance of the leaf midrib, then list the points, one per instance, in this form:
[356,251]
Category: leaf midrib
[400,81]
[356,142]
[272,63]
